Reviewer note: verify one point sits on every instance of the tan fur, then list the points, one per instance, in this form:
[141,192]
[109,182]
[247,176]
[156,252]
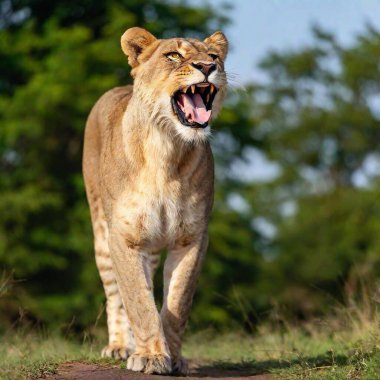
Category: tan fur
[149,182]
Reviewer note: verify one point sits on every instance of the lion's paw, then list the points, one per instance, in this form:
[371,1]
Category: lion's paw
[151,364]
[180,366]
[116,352]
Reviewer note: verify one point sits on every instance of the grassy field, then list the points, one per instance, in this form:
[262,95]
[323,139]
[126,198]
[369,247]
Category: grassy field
[344,347]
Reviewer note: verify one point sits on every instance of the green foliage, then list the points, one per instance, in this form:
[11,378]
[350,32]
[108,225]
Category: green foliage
[315,118]
[330,248]
[320,124]
[54,65]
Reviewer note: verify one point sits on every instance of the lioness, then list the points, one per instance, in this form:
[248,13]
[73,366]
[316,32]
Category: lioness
[149,174]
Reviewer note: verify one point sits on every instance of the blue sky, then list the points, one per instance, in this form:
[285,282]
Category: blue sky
[260,25]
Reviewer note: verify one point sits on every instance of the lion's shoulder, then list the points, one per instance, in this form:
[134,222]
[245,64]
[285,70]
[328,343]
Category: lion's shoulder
[113,104]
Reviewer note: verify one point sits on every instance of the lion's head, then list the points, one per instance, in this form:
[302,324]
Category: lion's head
[180,82]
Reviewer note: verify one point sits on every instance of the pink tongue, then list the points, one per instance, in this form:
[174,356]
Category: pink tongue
[194,108]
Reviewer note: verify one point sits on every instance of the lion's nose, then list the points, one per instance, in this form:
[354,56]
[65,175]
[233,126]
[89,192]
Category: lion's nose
[205,67]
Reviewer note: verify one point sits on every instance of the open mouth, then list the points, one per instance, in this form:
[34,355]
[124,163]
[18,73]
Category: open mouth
[193,104]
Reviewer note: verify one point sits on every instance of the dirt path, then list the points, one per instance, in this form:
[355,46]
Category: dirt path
[82,371]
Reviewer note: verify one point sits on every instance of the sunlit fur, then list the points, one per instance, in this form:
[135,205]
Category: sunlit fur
[149,182]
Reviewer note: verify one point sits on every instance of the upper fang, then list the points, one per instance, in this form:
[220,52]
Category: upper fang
[193,88]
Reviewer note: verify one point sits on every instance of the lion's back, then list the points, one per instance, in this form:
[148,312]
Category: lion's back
[103,124]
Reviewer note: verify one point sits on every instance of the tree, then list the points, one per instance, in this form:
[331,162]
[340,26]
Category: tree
[321,126]
[56,59]
[315,119]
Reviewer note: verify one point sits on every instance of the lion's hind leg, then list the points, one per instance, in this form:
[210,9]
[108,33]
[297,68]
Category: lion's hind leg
[120,337]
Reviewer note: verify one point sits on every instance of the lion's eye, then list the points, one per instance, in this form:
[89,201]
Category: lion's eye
[213,56]
[174,56]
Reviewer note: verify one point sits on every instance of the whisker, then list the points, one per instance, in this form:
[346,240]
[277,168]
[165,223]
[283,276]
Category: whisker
[234,80]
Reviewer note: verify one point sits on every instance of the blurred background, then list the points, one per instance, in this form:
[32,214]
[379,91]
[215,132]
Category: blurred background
[296,224]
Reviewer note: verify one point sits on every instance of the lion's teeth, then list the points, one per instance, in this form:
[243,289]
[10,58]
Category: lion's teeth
[211,89]
[185,89]
[193,88]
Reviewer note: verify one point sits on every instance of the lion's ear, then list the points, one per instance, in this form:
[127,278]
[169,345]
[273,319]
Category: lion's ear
[219,42]
[133,43]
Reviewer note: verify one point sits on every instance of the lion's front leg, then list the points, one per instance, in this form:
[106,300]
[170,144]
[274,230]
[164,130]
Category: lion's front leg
[181,271]
[135,285]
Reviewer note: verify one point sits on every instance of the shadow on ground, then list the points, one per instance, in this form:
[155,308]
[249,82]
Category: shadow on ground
[264,366]
[257,370]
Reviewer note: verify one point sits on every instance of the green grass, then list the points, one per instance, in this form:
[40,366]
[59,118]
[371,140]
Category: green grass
[297,353]
[32,355]
[339,348]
